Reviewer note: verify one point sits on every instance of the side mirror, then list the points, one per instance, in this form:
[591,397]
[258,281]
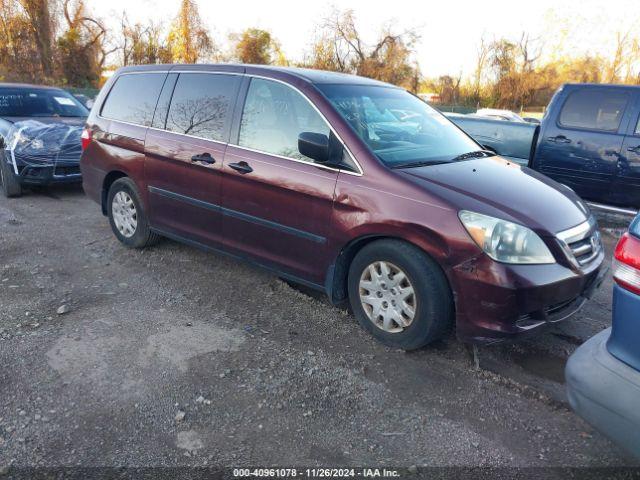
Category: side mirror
[314,145]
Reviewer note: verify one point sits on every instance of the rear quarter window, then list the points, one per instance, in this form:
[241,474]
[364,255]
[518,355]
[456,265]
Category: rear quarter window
[594,109]
[133,98]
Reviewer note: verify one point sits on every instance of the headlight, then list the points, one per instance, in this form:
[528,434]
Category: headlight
[504,241]
[25,141]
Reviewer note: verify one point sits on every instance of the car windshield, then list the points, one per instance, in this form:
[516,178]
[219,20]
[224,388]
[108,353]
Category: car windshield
[39,102]
[399,128]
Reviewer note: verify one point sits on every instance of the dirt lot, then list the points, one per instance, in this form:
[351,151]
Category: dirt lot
[175,357]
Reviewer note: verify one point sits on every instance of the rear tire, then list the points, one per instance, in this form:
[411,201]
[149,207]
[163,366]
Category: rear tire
[400,295]
[10,185]
[127,218]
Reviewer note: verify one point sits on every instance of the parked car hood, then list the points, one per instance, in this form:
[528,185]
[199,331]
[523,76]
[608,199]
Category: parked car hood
[497,187]
[35,142]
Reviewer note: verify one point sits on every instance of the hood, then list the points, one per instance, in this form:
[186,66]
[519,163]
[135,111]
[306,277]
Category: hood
[72,121]
[34,142]
[494,186]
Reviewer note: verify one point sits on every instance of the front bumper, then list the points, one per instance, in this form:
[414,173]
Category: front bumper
[45,173]
[605,392]
[497,302]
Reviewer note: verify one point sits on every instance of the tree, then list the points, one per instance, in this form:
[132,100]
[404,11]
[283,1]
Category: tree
[42,28]
[81,48]
[340,47]
[626,56]
[142,44]
[17,50]
[448,89]
[482,58]
[324,56]
[514,68]
[390,61]
[188,40]
[256,46]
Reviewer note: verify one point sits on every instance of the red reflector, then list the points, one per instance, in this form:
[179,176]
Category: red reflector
[626,263]
[85,138]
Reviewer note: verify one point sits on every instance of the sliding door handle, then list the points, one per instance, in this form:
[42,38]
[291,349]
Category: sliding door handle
[242,167]
[204,158]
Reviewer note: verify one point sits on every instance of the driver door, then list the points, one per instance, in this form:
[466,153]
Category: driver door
[277,203]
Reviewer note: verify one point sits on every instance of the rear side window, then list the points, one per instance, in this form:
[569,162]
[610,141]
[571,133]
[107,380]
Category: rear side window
[201,105]
[133,98]
[273,117]
[595,109]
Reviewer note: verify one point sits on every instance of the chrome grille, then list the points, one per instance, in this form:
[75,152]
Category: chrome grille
[582,243]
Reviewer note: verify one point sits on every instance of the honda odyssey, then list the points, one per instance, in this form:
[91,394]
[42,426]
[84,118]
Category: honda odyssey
[345,184]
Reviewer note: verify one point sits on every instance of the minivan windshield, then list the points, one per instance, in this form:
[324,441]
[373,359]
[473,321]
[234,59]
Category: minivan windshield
[400,129]
[39,102]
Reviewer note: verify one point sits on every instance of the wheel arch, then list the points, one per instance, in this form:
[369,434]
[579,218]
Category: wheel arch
[111,177]
[338,272]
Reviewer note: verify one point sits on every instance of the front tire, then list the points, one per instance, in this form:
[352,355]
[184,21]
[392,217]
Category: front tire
[400,295]
[127,217]
[10,185]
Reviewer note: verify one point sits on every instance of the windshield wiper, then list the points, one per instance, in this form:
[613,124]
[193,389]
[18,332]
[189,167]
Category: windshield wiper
[464,156]
[421,164]
[474,154]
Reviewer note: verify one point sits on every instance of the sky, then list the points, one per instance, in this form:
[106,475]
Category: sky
[449,30]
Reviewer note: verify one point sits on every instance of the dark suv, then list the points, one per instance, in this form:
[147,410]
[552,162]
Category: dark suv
[345,184]
[40,131]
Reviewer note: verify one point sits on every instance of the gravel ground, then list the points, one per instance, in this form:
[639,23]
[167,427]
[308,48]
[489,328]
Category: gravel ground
[176,357]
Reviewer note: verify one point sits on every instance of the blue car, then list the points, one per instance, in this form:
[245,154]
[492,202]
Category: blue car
[603,375]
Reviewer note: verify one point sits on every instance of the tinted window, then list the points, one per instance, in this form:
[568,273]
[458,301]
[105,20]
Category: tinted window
[398,127]
[133,98]
[201,105]
[637,132]
[160,115]
[273,117]
[34,102]
[594,109]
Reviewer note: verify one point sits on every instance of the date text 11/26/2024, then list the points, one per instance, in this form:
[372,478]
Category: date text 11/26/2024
[317,473]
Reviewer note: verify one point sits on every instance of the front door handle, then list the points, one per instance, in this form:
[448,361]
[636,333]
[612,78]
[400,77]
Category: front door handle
[635,149]
[242,167]
[559,139]
[204,158]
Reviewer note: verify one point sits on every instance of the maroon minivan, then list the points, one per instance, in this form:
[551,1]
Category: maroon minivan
[345,184]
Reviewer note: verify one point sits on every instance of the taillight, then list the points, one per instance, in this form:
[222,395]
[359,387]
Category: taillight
[85,138]
[626,263]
